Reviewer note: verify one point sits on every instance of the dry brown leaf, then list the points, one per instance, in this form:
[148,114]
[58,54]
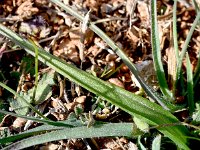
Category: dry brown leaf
[133,35]
[108,143]
[80,99]
[41,2]
[147,72]
[116,81]
[143,12]
[1,91]
[94,50]
[26,9]
[89,36]
[7,121]
[70,106]
[2,49]
[19,122]
[111,57]
[67,49]
[50,146]
[130,6]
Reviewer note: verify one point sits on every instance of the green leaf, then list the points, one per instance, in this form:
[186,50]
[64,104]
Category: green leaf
[197,71]
[175,36]
[19,105]
[40,130]
[28,64]
[22,99]
[2,105]
[156,142]
[175,41]
[44,87]
[31,132]
[143,126]
[43,92]
[196,115]
[101,130]
[190,90]
[155,42]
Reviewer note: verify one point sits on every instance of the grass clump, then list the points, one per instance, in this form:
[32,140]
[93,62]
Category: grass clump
[159,114]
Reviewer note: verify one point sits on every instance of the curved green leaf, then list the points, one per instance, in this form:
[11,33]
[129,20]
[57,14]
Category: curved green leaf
[70,123]
[101,130]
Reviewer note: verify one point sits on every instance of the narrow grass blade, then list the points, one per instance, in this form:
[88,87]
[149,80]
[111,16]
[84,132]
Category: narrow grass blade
[31,132]
[36,73]
[155,42]
[184,49]
[195,5]
[175,39]
[127,101]
[102,130]
[149,90]
[182,89]
[190,91]
[49,122]
[175,36]
[197,72]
